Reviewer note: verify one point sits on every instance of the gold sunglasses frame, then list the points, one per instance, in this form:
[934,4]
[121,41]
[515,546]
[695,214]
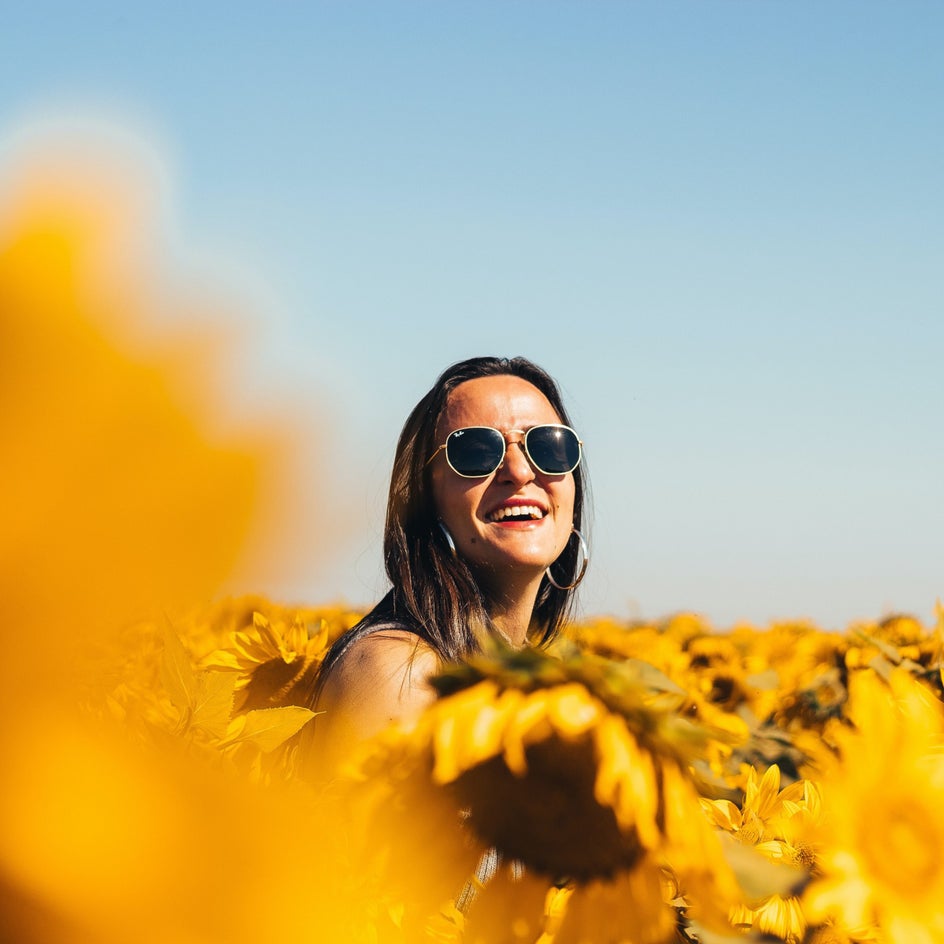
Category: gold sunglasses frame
[524,433]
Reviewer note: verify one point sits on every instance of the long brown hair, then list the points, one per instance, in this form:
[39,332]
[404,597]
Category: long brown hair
[434,593]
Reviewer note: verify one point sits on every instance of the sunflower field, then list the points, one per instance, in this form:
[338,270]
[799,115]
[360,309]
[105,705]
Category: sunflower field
[635,782]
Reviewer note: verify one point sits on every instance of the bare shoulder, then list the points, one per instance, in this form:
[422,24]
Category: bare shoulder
[389,655]
[383,677]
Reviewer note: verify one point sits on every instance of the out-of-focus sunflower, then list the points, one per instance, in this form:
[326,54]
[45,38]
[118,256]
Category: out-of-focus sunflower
[405,834]
[897,640]
[810,665]
[717,667]
[633,641]
[883,825]
[629,909]
[830,934]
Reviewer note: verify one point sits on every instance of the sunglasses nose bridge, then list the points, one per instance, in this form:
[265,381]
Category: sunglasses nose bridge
[522,464]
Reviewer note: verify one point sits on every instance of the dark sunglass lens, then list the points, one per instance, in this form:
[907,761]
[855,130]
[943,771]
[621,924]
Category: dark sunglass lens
[475,451]
[554,449]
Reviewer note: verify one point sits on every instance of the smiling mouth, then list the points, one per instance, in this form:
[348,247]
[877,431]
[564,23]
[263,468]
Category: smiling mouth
[517,513]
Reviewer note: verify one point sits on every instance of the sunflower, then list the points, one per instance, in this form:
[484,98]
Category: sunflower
[565,761]
[563,766]
[775,823]
[277,659]
[883,827]
[620,641]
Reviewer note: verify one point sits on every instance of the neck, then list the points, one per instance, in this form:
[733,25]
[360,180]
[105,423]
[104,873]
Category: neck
[511,611]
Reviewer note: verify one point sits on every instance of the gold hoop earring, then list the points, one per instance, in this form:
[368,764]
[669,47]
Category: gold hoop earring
[586,561]
[448,537]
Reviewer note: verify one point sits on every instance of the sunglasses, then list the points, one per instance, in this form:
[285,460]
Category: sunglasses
[476,451]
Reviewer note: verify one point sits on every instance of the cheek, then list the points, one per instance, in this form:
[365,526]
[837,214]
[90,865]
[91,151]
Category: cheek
[453,502]
[438,499]
[565,502]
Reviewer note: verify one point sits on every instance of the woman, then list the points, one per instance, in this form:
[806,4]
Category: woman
[482,537]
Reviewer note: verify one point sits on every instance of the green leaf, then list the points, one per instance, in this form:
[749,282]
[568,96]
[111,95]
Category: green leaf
[889,651]
[648,675]
[177,674]
[757,875]
[881,666]
[213,702]
[267,728]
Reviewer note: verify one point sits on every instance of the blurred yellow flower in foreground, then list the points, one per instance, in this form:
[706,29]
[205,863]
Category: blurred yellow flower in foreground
[116,498]
[883,828]
[121,501]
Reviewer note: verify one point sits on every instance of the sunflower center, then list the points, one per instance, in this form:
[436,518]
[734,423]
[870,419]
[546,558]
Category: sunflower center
[549,818]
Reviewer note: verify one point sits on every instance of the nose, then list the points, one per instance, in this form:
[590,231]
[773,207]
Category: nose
[515,466]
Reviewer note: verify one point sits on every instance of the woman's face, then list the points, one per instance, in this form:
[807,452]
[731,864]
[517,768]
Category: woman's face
[501,549]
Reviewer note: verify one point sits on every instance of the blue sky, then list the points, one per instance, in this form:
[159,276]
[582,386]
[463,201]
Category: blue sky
[718,224]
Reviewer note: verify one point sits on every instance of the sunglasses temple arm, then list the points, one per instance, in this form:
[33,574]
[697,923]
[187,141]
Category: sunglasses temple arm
[436,453]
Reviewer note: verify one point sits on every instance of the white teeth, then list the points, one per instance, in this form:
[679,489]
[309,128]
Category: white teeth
[517,511]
